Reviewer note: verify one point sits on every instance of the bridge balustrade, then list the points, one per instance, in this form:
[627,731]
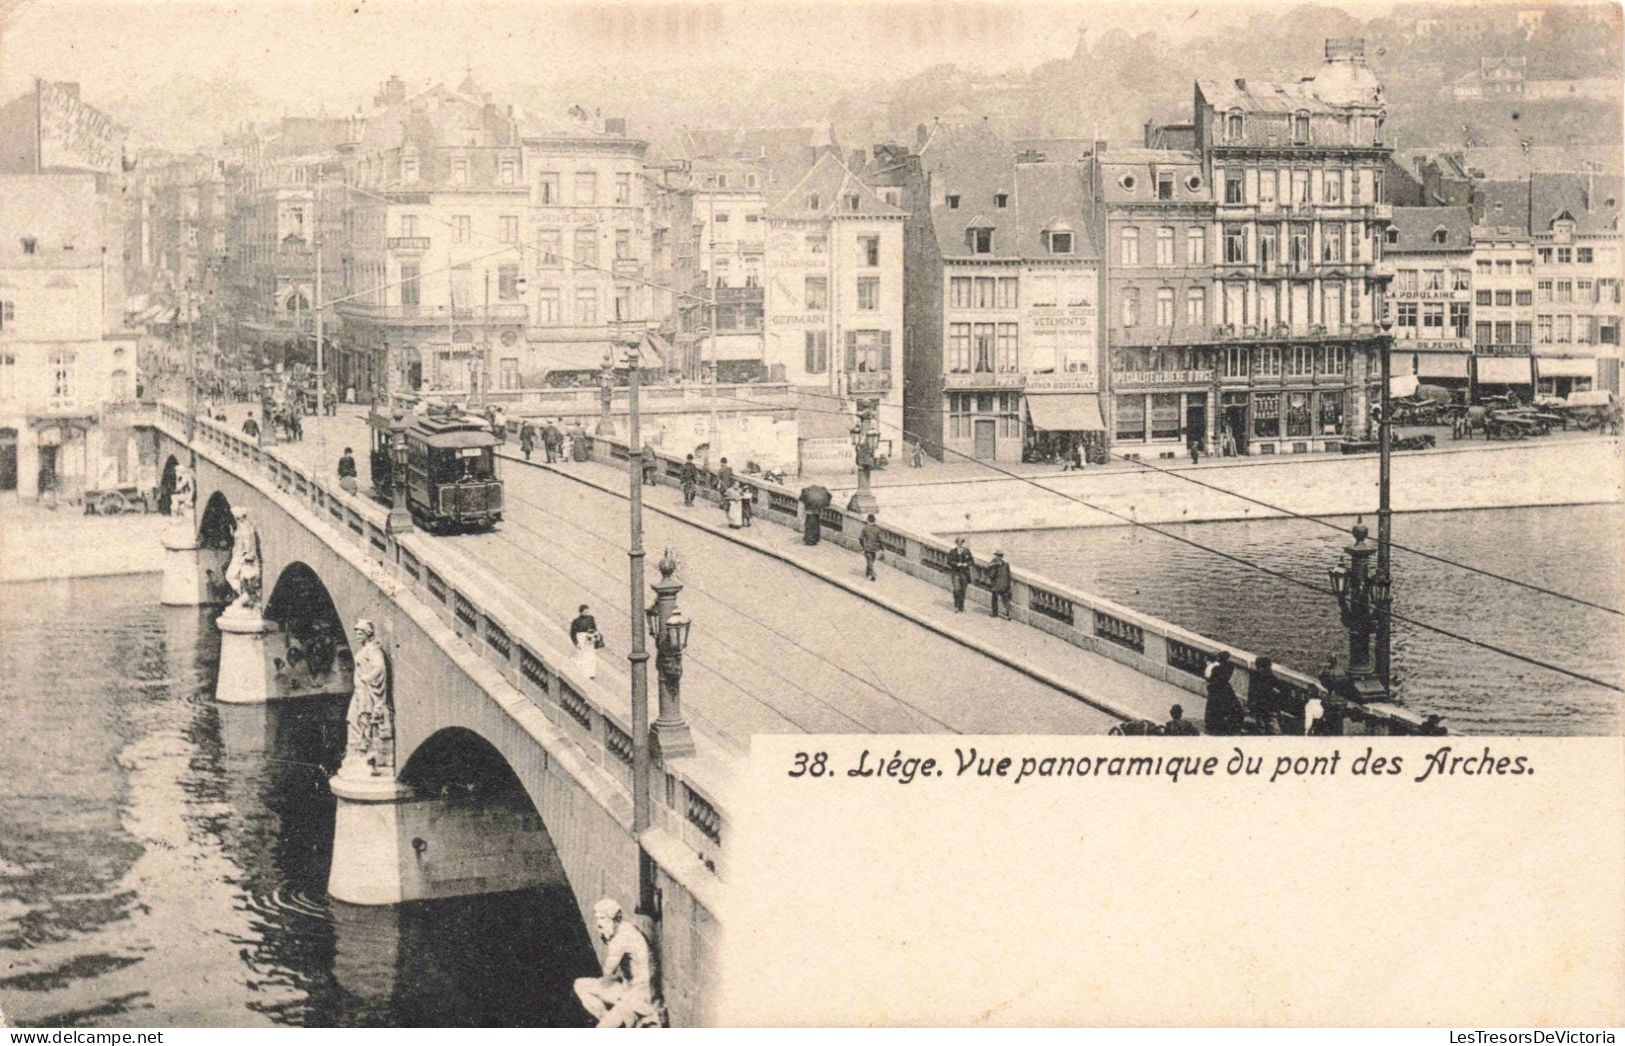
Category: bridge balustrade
[504,634]
[1157,648]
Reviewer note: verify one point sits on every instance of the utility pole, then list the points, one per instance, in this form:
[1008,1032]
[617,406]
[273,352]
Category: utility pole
[485,350]
[321,357]
[183,318]
[1385,522]
[638,657]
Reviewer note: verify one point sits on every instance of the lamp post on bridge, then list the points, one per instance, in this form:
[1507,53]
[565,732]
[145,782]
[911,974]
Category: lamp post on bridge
[669,628]
[1385,514]
[606,394]
[638,656]
[865,441]
[400,517]
[1363,598]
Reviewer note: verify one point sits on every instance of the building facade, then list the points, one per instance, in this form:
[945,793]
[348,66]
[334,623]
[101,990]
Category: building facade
[1503,307]
[1575,236]
[1300,224]
[1431,252]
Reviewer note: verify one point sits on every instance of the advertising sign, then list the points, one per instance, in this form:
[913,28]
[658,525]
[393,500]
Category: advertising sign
[74,135]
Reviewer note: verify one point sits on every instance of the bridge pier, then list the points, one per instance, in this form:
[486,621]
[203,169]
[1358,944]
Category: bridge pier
[189,568]
[247,673]
[392,845]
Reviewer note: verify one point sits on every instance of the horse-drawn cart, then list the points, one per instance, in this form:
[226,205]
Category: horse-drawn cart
[113,501]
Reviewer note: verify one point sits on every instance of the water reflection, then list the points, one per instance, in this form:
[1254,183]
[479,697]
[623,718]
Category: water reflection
[166,862]
[1574,550]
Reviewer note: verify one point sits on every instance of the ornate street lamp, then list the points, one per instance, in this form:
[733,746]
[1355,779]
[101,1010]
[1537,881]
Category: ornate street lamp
[1385,515]
[865,440]
[400,518]
[606,392]
[669,628]
[1362,597]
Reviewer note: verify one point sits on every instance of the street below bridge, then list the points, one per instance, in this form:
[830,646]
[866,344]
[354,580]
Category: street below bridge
[787,638]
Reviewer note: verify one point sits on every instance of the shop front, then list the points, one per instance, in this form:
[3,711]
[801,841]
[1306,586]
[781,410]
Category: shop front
[984,417]
[1504,375]
[1161,413]
[1441,364]
[1297,420]
[1561,376]
[1064,427]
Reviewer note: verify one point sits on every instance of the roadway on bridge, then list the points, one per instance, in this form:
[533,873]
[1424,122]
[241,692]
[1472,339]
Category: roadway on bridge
[775,648]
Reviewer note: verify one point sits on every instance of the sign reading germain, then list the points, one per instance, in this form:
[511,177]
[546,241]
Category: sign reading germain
[1161,377]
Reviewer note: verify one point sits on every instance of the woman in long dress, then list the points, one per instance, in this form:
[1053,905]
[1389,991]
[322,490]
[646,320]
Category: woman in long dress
[736,506]
[584,634]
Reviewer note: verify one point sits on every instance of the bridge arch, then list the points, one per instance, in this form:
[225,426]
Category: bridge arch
[311,655]
[216,526]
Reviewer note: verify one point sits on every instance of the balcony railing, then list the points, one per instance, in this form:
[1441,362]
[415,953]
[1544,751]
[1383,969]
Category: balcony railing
[408,243]
[868,383]
[1510,348]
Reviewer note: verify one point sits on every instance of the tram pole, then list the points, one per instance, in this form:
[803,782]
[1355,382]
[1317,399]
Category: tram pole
[1385,533]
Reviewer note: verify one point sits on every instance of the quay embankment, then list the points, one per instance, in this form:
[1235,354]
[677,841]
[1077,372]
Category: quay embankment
[44,544]
[1562,469]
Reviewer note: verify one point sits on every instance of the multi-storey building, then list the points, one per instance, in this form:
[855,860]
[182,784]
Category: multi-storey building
[674,240]
[65,361]
[1503,304]
[1300,220]
[487,253]
[1004,351]
[1430,251]
[1574,229]
[834,300]
[1160,322]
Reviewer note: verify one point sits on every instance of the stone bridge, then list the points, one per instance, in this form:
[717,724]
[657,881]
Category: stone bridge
[511,769]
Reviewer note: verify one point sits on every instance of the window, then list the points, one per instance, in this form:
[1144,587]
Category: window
[817,352]
[409,168]
[1233,362]
[1565,329]
[1331,243]
[1543,328]
[1459,318]
[817,242]
[1405,314]
[409,283]
[548,248]
[868,293]
[1196,246]
[1332,186]
[1525,265]
[1007,298]
[1484,266]
[1583,255]
[1300,248]
[1440,235]
[1503,268]
[1130,239]
[1167,415]
[1001,200]
[508,172]
[868,351]
[1233,125]
[1234,187]
[1481,332]
[1131,418]
[1131,307]
[1461,279]
[958,292]
[1268,249]
[953,201]
[1300,129]
[1267,414]
[1079,290]
[1043,290]
[1433,318]
[8,376]
[409,226]
[1406,281]
[1009,354]
[1565,290]
[508,375]
[510,228]
[1335,360]
[459,172]
[869,247]
[984,292]
[623,304]
[959,348]
[979,241]
[1543,290]
[750,181]
[752,219]
[1392,236]
[461,227]
[1165,186]
[508,281]
[586,246]
[1266,186]
[1433,281]
[1484,297]
[1165,307]
[1583,292]
[586,305]
[1544,254]
[1503,332]
[547,305]
[1504,298]
[1565,256]
[1059,242]
[548,187]
[1196,307]
[623,187]
[1165,246]
[1235,244]
[812,202]
[983,342]
[586,188]
[816,293]
[1523,332]
[1300,361]
[62,367]
[1300,186]
[721,218]
[853,201]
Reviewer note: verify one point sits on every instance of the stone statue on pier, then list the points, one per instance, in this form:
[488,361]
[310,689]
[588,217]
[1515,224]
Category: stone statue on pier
[371,719]
[184,496]
[243,572]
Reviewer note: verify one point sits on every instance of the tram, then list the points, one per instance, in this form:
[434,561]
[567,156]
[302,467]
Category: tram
[451,478]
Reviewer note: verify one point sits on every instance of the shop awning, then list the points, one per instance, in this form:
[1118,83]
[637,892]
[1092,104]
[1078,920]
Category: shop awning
[1066,411]
[1441,365]
[1503,370]
[1565,367]
[1402,385]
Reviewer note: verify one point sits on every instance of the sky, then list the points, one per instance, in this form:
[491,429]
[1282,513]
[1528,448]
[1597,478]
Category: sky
[307,51]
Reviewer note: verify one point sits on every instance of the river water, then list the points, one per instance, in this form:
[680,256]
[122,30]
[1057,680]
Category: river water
[163,858]
[1574,550]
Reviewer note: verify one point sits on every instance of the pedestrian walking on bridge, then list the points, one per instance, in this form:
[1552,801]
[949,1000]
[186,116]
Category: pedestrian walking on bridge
[1224,712]
[347,471]
[999,576]
[960,565]
[690,479]
[869,541]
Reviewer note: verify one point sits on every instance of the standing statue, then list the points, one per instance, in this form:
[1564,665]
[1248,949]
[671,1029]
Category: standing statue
[371,717]
[243,572]
[184,495]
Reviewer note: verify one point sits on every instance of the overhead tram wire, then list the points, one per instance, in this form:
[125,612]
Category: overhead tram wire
[1272,572]
[1323,521]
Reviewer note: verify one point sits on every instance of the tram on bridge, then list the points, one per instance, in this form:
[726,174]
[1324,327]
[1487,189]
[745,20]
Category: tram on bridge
[450,468]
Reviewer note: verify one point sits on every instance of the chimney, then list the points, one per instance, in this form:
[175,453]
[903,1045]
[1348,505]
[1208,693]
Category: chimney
[1241,84]
[1100,146]
[921,134]
[615,125]
[857,160]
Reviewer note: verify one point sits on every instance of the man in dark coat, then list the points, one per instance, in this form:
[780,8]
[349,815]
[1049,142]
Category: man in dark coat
[1178,725]
[1264,697]
[251,428]
[1224,712]
[725,475]
[999,576]
[552,440]
[960,564]
[347,470]
[527,439]
[869,541]
[691,480]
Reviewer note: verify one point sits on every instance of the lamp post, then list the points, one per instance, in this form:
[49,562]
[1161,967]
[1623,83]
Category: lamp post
[400,518]
[1385,520]
[606,393]
[865,438]
[638,656]
[669,628]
